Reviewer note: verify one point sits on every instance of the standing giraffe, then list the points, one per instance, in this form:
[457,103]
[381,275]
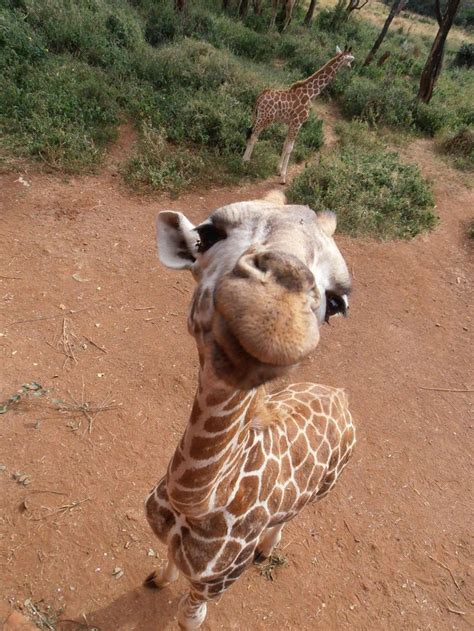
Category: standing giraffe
[292,107]
[267,278]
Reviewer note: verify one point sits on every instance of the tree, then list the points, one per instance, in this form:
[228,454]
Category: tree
[283,18]
[397,6]
[355,5]
[243,8]
[309,14]
[434,63]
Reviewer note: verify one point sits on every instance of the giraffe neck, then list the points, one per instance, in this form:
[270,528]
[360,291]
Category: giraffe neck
[316,83]
[210,449]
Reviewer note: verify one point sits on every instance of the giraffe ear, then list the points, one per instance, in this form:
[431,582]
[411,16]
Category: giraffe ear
[176,240]
[327,221]
[338,50]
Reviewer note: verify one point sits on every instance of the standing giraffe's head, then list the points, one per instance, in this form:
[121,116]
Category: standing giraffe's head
[346,57]
[268,277]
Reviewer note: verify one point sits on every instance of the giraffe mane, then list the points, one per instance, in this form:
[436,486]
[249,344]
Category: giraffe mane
[302,82]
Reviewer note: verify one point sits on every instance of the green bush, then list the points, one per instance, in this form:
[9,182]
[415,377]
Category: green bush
[388,102]
[372,192]
[62,111]
[459,144]
[464,56]
[160,166]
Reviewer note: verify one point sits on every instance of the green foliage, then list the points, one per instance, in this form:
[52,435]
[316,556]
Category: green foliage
[71,70]
[459,144]
[62,111]
[464,16]
[160,166]
[371,190]
[464,56]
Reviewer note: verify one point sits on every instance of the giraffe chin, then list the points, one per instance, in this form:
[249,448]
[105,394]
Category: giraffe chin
[234,365]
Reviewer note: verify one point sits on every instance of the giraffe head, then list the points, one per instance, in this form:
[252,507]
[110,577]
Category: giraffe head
[268,277]
[345,56]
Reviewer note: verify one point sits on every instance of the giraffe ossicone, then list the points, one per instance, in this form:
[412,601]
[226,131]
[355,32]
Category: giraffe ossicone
[292,106]
[267,277]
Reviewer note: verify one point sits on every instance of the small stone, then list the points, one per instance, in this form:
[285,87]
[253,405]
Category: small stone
[117,572]
[2,467]
[151,552]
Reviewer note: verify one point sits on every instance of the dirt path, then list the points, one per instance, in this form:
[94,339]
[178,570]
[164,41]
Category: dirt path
[390,549]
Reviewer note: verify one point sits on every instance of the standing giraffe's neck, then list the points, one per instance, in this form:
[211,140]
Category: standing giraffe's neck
[214,439]
[313,85]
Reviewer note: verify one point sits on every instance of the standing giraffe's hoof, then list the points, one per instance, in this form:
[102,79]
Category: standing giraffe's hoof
[259,557]
[155,581]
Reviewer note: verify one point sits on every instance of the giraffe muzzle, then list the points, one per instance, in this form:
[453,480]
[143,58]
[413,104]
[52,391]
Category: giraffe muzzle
[269,303]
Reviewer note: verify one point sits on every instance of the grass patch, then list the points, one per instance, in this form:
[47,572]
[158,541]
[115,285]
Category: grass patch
[371,190]
[72,70]
[160,166]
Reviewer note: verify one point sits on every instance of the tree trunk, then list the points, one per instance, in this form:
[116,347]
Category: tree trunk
[179,5]
[225,4]
[289,6]
[243,8]
[434,62]
[309,14]
[397,6]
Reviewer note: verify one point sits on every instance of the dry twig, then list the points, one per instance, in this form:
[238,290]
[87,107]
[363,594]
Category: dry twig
[447,389]
[446,568]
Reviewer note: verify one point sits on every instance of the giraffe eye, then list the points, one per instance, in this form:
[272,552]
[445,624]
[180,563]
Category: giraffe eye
[335,305]
[209,235]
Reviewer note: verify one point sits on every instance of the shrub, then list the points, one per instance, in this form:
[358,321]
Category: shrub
[459,144]
[160,166]
[430,117]
[372,192]
[388,102]
[464,56]
[62,111]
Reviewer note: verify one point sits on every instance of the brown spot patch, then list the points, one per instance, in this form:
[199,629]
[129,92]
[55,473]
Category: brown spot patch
[269,476]
[255,458]
[227,556]
[213,525]
[199,553]
[274,501]
[251,525]
[299,449]
[204,447]
[197,477]
[218,396]
[303,473]
[246,495]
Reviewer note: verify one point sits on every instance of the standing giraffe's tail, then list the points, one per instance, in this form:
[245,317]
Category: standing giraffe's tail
[249,132]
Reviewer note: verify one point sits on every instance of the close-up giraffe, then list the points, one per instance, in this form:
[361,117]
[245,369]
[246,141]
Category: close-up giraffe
[292,106]
[268,276]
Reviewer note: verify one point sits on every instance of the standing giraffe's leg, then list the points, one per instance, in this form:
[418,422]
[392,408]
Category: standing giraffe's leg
[165,575]
[270,538]
[289,144]
[255,133]
[282,157]
[192,610]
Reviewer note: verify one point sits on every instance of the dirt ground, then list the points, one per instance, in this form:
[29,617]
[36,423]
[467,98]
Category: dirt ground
[88,313]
